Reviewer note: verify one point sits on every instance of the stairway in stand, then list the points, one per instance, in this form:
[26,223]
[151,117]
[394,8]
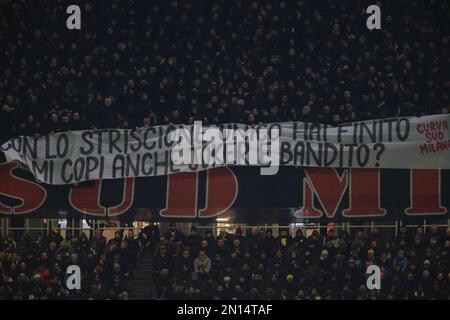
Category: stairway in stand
[142,282]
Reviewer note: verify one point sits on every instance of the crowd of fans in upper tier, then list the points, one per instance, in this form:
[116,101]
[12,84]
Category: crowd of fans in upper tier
[144,63]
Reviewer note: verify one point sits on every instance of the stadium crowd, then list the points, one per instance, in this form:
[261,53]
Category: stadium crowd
[143,63]
[414,265]
[34,268]
[257,265]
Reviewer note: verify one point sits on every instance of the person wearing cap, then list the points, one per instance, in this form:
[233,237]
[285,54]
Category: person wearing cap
[173,234]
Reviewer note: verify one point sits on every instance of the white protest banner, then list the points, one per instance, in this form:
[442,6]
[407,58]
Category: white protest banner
[72,157]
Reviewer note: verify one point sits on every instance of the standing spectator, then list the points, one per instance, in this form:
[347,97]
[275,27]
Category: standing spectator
[193,240]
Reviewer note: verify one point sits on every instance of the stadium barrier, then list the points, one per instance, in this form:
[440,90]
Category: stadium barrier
[108,228]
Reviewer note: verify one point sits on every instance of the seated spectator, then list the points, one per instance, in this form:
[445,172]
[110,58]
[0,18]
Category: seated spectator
[333,269]
[174,235]
[202,264]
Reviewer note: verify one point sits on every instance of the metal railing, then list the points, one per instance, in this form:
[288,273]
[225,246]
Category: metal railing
[73,225]
[76,226]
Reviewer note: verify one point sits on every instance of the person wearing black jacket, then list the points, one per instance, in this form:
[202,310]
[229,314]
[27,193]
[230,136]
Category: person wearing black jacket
[107,115]
[134,247]
[77,123]
[173,234]
[193,240]
[185,265]
[53,125]
[150,235]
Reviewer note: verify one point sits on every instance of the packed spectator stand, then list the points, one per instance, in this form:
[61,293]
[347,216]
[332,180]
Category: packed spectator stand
[143,63]
[34,268]
[241,265]
[258,266]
